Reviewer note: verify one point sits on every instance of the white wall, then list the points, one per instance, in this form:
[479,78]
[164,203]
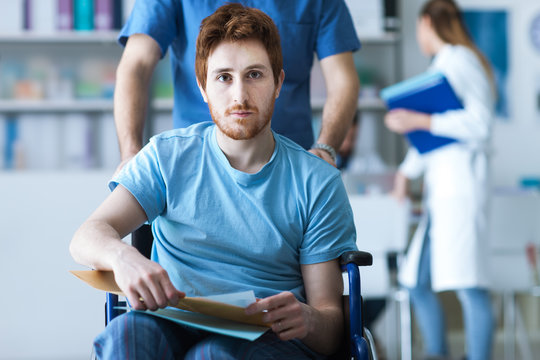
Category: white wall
[516,141]
[47,313]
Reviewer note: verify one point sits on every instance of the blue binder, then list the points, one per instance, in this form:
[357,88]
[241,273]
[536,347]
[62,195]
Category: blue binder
[428,93]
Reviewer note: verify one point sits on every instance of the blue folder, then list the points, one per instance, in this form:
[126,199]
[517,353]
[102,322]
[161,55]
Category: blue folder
[428,93]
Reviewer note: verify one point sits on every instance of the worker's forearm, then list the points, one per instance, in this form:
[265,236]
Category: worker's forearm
[130,108]
[338,113]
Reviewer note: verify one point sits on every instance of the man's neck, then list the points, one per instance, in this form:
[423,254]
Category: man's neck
[248,156]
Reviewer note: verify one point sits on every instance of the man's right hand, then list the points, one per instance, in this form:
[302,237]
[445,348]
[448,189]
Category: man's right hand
[145,283]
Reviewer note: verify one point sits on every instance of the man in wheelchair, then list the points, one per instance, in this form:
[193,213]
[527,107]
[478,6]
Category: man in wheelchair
[233,206]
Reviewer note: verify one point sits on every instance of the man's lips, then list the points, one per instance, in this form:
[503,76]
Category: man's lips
[241,113]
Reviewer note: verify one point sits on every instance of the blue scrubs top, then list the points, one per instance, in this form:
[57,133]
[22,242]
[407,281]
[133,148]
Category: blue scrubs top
[306,27]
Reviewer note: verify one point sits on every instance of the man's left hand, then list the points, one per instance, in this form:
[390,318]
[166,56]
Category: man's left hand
[289,317]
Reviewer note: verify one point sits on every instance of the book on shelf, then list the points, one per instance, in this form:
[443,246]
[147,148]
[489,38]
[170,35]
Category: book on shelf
[65,15]
[78,143]
[12,17]
[429,93]
[10,143]
[40,141]
[83,15]
[41,15]
[49,16]
[118,14]
[223,314]
[103,17]
[107,142]
[3,139]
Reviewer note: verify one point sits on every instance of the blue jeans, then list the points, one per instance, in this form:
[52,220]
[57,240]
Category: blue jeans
[477,315]
[137,335]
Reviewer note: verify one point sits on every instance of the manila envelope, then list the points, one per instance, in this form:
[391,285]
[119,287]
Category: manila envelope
[104,280]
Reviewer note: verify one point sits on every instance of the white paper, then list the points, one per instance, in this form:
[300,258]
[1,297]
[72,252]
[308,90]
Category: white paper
[242,299]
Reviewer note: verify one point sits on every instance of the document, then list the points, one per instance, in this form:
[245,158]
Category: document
[429,93]
[223,314]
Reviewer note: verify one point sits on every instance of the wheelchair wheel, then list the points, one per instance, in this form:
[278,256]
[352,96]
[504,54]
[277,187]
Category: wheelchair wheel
[371,344]
[93,354]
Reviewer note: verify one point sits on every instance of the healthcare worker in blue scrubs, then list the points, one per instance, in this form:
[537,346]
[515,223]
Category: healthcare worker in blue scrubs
[449,248]
[307,28]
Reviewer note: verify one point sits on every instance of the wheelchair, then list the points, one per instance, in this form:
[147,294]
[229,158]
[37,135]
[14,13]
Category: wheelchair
[359,344]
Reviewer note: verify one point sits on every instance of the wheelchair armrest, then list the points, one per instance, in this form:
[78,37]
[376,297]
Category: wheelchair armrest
[360,258]
[350,261]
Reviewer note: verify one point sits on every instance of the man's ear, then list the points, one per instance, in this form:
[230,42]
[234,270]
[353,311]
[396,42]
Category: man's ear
[203,92]
[280,82]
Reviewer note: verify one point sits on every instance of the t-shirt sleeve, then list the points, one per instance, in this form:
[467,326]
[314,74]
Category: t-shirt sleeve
[330,230]
[336,33]
[158,19]
[143,179]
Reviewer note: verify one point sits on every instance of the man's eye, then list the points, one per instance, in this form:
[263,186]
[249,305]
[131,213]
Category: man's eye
[254,75]
[224,77]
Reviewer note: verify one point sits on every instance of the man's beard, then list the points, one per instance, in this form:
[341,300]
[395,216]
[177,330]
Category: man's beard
[242,128]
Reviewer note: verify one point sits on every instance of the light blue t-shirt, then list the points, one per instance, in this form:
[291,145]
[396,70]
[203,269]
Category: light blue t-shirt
[220,230]
[306,27]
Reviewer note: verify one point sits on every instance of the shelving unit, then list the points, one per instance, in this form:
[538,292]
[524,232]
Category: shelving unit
[103,44]
[55,106]
[364,104]
[60,37]
[379,64]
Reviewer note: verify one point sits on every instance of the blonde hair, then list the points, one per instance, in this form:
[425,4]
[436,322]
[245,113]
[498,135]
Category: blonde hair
[447,21]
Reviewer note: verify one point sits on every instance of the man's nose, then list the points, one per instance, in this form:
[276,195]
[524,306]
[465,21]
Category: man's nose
[240,93]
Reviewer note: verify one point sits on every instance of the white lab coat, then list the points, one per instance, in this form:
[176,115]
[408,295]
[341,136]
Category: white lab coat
[455,180]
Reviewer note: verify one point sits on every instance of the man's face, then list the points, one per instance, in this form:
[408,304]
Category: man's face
[240,89]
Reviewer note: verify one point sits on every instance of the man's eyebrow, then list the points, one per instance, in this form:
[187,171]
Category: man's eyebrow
[250,67]
[257,66]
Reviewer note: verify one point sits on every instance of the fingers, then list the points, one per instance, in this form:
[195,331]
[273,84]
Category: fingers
[146,295]
[287,330]
[271,303]
[285,314]
[323,155]
[152,290]
[172,294]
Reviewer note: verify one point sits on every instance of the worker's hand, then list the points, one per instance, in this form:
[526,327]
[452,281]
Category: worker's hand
[323,155]
[289,317]
[403,121]
[122,164]
[145,283]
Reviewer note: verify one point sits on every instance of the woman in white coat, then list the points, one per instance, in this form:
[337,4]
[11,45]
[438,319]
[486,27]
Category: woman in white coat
[448,251]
